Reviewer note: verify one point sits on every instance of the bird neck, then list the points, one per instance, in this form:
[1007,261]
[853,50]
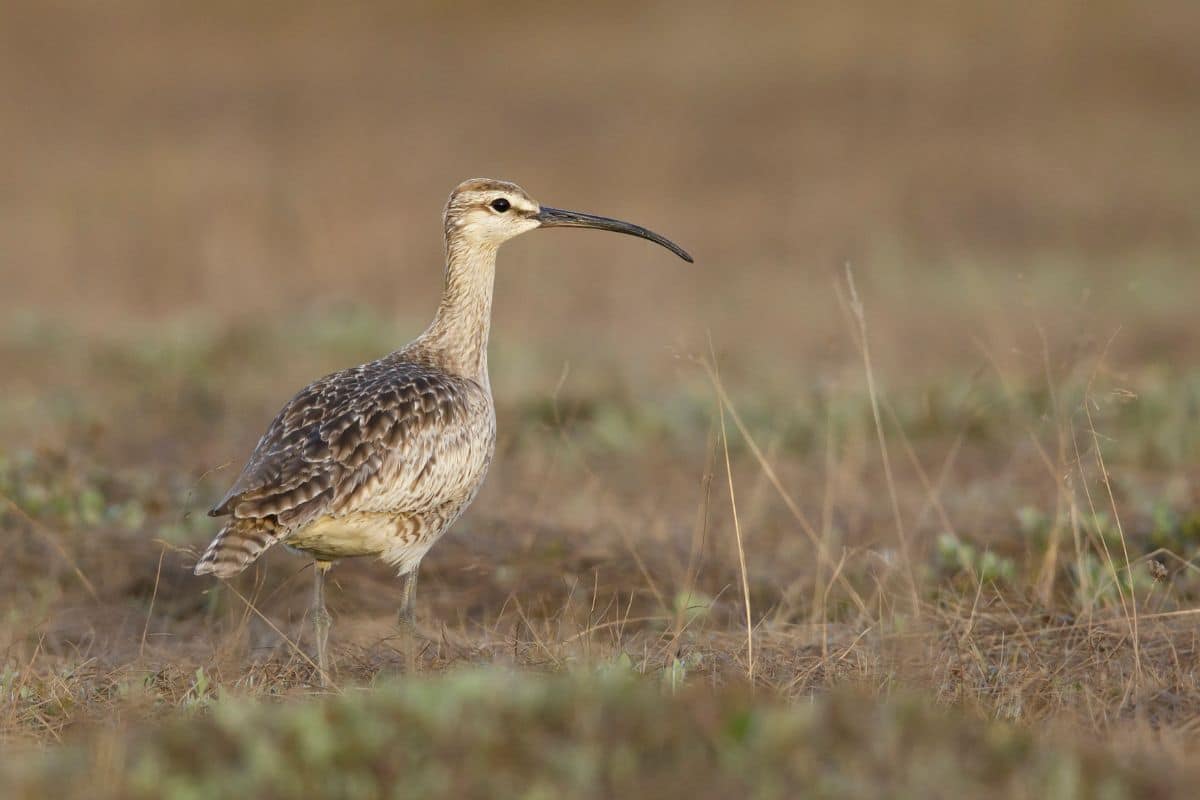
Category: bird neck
[458,335]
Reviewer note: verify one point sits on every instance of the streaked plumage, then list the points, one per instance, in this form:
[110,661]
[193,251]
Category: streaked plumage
[375,460]
[380,459]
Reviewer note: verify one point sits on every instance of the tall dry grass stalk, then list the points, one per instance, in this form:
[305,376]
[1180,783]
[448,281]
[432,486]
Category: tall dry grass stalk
[715,376]
[856,308]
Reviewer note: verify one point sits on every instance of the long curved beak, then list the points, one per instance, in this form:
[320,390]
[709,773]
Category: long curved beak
[558,218]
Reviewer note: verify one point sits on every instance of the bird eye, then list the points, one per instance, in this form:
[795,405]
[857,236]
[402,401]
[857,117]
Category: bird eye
[501,205]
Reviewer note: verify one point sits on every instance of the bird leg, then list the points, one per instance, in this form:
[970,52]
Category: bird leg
[321,619]
[408,600]
[407,618]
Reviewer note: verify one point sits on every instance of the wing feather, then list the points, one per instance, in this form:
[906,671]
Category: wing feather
[333,446]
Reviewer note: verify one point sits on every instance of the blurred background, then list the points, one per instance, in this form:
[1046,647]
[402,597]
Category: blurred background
[236,161]
[204,206]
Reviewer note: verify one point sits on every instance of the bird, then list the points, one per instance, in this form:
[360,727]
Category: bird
[382,458]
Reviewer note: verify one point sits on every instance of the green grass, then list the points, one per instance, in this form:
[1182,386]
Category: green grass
[500,734]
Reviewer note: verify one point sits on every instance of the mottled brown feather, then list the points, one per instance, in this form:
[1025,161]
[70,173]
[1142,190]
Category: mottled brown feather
[332,446]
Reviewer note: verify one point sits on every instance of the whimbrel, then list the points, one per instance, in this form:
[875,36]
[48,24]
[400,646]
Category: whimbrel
[380,459]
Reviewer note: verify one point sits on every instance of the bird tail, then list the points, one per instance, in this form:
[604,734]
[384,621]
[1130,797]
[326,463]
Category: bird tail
[237,546]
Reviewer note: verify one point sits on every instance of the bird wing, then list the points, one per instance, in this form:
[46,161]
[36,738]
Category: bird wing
[383,436]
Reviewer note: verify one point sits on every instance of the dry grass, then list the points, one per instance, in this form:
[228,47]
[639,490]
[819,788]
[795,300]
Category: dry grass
[971,478]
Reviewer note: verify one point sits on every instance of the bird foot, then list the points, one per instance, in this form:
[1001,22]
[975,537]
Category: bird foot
[407,626]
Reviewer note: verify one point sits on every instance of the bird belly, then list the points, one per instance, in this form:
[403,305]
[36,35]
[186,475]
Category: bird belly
[400,539]
[330,538]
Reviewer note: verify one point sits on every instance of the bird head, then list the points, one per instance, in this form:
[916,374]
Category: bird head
[488,212]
